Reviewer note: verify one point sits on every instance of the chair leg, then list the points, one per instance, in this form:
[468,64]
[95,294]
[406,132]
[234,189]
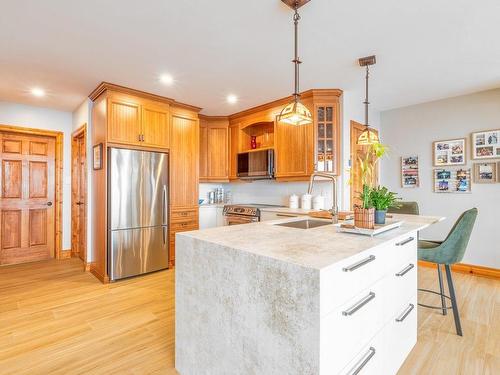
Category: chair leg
[440,278]
[453,297]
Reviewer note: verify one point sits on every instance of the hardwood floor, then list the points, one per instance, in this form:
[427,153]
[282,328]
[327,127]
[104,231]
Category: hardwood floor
[55,319]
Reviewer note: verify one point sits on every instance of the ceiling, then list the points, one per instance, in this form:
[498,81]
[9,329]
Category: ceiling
[425,49]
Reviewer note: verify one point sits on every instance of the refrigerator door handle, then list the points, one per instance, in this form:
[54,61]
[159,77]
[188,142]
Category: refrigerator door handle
[164,231]
[164,219]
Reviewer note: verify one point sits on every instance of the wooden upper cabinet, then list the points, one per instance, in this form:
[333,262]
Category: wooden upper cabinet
[124,121]
[203,152]
[214,149]
[294,151]
[184,152]
[234,141]
[155,126]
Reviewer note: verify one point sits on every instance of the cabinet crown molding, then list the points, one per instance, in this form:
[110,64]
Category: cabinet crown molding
[105,86]
[315,94]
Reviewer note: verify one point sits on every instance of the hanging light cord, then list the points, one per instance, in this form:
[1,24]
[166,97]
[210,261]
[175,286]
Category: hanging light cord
[296,61]
[366,102]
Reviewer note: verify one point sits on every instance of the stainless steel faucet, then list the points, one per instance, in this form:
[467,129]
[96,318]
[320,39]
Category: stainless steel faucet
[335,210]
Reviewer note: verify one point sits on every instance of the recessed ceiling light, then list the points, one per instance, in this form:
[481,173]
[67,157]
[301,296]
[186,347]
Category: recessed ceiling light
[166,79]
[38,92]
[231,99]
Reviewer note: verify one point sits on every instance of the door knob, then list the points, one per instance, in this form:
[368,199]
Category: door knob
[49,204]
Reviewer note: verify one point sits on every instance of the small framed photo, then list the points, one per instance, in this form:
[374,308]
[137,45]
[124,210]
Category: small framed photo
[409,172]
[97,156]
[449,152]
[452,180]
[486,144]
[485,173]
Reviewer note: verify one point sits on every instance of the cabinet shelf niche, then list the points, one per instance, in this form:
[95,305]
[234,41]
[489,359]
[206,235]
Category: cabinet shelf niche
[263,133]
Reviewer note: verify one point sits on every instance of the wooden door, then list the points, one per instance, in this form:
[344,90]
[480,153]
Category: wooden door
[155,130]
[294,150]
[124,121]
[79,196]
[217,151]
[27,193]
[357,151]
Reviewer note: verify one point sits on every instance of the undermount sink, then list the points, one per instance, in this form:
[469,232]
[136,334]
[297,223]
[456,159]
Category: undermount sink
[305,224]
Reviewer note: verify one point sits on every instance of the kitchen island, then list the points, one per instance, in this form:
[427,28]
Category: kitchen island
[263,298]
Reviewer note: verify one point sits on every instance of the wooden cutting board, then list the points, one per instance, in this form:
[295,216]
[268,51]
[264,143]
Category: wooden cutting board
[343,215]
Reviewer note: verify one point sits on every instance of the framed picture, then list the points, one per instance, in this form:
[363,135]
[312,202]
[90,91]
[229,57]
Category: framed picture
[452,180]
[449,152]
[98,156]
[409,172]
[486,144]
[485,173]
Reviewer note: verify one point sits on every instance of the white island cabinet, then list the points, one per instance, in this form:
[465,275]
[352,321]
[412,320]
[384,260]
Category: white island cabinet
[267,299]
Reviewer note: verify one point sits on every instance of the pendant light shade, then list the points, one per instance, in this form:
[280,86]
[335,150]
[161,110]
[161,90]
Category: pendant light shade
[368,136]
[296,113]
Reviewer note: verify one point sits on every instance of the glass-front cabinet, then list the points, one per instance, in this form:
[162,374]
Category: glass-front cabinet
[326,136]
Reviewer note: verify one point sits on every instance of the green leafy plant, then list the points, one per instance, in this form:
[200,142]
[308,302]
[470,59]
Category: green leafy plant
[368,163]
[366,197]
[381,198]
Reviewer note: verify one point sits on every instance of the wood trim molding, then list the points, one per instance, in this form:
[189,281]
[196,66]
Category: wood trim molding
[65,254]
[86,266]
[314,93]
[104,86]
[94,271]
[213,118]
[492,273]
[59,140]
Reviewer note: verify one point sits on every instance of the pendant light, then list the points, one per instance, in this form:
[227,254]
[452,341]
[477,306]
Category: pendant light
[296,113]
[368,136]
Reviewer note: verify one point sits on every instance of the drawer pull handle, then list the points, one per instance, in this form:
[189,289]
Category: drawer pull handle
[361,263]
[362,362]
[405,270]
[402,243]
[359,304]
[405,313]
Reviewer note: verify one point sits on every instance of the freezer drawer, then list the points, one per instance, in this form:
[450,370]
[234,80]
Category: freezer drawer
[137,251]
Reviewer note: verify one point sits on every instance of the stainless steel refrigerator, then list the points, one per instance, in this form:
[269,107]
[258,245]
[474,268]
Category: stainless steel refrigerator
[137,212]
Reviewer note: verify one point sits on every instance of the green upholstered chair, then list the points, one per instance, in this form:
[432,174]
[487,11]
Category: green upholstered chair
[408,208]
[448,252]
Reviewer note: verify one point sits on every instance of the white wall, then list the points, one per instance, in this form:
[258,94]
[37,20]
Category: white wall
[83,115]
[411,130]
[47,119]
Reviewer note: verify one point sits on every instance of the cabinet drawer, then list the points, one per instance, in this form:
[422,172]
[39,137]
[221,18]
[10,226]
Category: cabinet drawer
[183,226]
[370,359]
[346,279]
[187,214]
[401,336]
[402,248]
[402,284]
[351,326]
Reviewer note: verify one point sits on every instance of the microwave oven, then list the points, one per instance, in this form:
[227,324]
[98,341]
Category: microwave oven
[256,165]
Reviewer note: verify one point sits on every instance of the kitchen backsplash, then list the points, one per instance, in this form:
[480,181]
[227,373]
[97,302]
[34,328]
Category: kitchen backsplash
[268,192]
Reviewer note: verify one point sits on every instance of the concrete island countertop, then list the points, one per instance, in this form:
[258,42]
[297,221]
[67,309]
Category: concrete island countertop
[314,248]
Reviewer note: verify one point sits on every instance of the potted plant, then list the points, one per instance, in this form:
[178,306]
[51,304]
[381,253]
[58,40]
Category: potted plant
[382,199]
[364,214]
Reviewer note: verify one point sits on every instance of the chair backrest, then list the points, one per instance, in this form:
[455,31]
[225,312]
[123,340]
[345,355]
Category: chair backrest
[453,248]
[408,208]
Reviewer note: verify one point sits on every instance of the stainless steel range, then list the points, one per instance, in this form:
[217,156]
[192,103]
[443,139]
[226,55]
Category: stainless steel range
[243,213]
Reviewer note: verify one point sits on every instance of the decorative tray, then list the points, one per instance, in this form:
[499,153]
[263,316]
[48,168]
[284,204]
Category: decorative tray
[379,228]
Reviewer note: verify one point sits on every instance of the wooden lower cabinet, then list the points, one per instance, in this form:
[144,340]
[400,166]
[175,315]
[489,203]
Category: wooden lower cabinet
[182,219]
